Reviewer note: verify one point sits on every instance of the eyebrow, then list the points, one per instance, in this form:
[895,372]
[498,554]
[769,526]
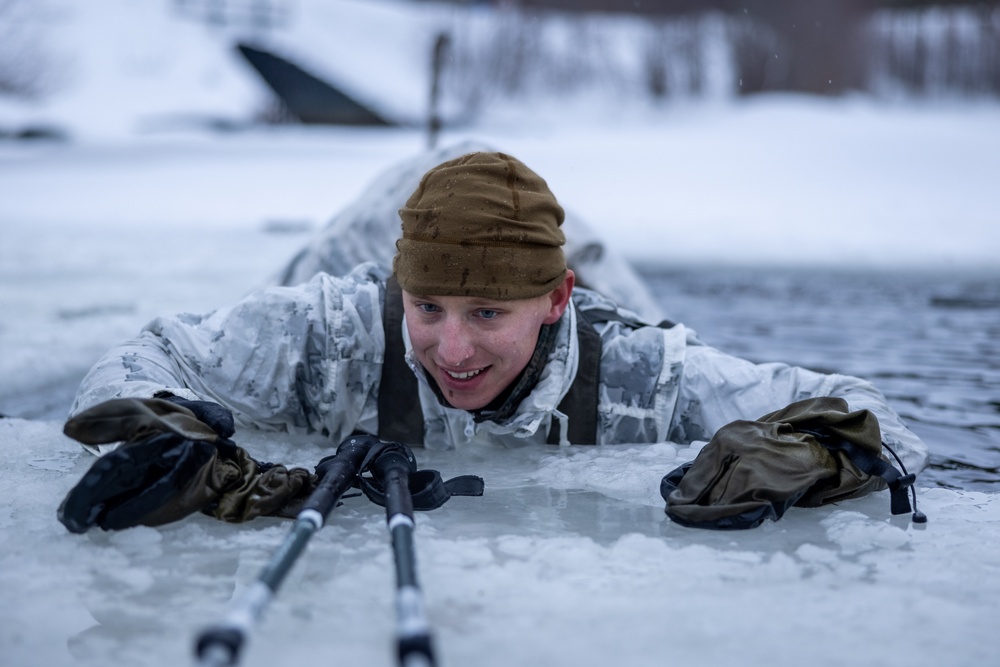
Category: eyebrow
[476,302]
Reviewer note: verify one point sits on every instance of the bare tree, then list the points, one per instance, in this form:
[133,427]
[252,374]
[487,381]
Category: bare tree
[27,68]
[814,47]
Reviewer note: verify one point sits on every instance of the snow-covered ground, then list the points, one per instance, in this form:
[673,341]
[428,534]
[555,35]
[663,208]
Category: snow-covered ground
[568,558]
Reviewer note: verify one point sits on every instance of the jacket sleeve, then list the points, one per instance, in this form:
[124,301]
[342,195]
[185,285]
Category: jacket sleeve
[717,389]
[299,359]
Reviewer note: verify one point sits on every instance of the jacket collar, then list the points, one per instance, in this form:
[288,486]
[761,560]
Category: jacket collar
[538,390]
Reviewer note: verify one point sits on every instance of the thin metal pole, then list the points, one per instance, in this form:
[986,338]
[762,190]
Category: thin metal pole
[414,646]
[441,45]
[220,645]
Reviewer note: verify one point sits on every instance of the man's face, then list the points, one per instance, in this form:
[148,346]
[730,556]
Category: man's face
[474,348]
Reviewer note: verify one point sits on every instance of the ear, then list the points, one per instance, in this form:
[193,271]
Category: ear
[559,298]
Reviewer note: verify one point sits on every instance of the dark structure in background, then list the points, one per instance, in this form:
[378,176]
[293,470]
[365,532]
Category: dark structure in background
[307,98]
[826,47]
[555,48]
[823,47]
[816,47]
[441,45]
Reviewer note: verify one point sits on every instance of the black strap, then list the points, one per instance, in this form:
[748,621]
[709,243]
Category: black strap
[869,462]
[580,402]
[399,415]
[428,490]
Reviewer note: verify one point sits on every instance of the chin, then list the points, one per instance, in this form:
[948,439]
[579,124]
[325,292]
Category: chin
[468,402]
[474,396]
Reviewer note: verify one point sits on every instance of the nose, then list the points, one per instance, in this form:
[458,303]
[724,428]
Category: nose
[456,344]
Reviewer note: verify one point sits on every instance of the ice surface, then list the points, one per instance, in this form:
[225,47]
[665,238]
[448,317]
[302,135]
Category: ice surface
[561,562]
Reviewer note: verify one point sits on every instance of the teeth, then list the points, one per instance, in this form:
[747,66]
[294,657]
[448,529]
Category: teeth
[465,376]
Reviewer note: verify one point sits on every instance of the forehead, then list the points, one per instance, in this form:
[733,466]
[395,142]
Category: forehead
[468,302]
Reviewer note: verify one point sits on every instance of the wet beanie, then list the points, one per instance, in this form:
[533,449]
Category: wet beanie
[484,225]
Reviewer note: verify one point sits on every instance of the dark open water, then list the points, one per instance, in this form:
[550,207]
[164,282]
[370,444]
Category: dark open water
[929,341]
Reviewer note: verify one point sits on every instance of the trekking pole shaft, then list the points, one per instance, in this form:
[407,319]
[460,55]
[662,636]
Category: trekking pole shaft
[220,645]
[404,551]
[413,637]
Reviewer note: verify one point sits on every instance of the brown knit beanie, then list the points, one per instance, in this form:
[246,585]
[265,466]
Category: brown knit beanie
[481,225]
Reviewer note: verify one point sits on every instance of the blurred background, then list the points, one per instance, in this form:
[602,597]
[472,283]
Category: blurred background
[400,62]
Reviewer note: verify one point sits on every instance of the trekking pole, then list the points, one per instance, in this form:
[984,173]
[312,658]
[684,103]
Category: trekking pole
[219,645]
[413,639]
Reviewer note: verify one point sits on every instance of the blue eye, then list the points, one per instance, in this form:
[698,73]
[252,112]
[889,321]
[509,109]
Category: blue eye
[428,307]
[488,314]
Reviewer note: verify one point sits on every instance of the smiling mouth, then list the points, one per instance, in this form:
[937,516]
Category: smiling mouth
[465,375]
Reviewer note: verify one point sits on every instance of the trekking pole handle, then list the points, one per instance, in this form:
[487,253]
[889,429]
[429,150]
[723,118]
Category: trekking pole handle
[393,467]
[338,473]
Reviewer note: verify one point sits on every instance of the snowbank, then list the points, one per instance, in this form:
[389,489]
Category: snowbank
[118,68]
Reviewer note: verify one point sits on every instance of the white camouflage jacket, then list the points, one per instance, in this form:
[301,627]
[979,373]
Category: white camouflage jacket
[308,358]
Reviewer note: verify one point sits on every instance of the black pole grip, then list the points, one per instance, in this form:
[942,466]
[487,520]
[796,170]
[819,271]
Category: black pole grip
[338,472]
[392,467]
